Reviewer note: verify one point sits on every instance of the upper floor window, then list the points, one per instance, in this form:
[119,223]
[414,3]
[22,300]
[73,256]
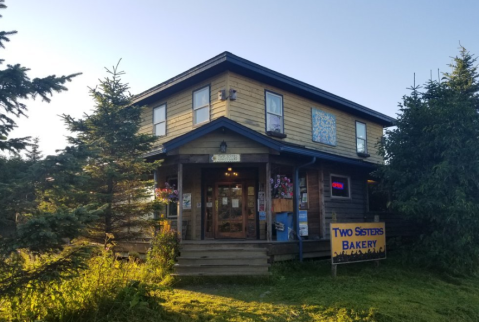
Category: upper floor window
[201,105]
[274,113]
[159,120]
[361,139]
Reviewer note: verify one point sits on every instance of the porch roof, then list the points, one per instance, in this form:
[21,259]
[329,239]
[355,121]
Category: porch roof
[282,147]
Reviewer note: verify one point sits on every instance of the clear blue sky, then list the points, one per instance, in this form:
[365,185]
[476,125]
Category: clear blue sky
[365,51]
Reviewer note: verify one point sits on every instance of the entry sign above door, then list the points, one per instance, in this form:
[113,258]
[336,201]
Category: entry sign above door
[357,242]
[226,158]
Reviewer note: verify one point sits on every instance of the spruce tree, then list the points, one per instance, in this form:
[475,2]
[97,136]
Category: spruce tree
[15,87]
[34,154]
[26,229]
[119,179]
[432,170]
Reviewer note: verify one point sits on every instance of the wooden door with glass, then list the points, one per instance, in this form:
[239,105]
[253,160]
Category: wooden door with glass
[230,210]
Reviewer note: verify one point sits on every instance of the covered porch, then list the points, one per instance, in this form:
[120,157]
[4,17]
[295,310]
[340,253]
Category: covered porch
[240,191]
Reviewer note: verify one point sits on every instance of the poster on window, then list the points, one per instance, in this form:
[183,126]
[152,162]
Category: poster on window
[261,201]
[186,200]
[235,203]
[324,127]
[303,223]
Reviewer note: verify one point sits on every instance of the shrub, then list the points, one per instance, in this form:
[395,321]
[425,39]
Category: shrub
[108,290]
[162,255]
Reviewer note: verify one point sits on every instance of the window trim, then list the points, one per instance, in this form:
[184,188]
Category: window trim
[365,140]
[205,106]
[331,175]
[153,119]
[273,133]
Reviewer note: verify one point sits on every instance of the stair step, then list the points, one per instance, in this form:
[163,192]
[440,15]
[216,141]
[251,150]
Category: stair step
[222,269]
[221,274]
[222,260]
[207,255]
[211,249]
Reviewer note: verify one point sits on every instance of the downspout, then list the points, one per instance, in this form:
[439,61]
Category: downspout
[296,204]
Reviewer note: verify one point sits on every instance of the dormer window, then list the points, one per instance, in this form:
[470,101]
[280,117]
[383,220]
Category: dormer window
[274,113]
[159,120]
[201,105]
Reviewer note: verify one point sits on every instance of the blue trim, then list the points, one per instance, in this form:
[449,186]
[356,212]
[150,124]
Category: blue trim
[327,156]
[219,123]
[227,61]
[226,123]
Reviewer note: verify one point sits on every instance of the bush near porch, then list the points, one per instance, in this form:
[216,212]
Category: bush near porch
[115,291]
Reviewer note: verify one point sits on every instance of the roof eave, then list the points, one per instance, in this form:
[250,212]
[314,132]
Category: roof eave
[227,61]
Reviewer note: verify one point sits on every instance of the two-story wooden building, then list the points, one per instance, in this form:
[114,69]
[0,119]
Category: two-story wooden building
[242,143]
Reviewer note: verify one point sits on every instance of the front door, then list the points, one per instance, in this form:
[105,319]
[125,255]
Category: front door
[230,203]
[230,211]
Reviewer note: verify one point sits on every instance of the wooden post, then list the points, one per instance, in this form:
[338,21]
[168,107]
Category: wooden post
[334,270]
[179,218]
[267,203]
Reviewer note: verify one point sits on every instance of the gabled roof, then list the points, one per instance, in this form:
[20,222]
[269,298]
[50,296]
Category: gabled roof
[227,61]
[233,126]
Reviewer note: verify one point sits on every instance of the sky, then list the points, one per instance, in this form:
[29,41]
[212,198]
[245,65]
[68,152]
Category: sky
[365,51]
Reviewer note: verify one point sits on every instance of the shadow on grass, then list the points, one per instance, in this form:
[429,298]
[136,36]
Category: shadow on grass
[134,302]
[390,292]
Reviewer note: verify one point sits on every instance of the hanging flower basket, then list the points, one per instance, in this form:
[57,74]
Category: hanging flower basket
[281,187]
[282,193]
[167,195]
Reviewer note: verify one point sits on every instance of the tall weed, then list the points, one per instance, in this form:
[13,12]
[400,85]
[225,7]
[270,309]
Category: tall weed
[108,290]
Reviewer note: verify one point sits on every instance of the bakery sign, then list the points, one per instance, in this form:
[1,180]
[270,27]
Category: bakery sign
[225,158]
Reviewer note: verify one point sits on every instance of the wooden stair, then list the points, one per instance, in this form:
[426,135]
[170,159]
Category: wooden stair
[221,260]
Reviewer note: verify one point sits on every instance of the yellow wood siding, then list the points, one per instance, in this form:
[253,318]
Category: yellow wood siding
[210,143]
[179,111]
[249,110]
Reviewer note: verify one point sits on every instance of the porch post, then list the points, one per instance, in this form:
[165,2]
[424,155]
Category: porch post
[155,186]
[179,218]
[267,203]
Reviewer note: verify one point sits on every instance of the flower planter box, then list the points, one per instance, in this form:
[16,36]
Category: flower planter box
[282,205]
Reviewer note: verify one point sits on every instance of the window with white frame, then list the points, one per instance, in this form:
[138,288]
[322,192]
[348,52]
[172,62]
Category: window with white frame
[201,105]
[340,187]
[361,139]
[274,112]
[159,120]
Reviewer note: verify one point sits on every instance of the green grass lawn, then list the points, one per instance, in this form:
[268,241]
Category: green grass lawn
[306,292]
[112,291]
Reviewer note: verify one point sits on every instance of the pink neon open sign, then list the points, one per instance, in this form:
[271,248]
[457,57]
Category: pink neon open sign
[338,185]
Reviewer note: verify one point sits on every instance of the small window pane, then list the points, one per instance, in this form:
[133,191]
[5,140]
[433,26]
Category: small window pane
[159,114]
[201,98]
[361,130]
[339,187]
[275,124]
[274,104]
[202,115]
[361,146]
[160,129]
